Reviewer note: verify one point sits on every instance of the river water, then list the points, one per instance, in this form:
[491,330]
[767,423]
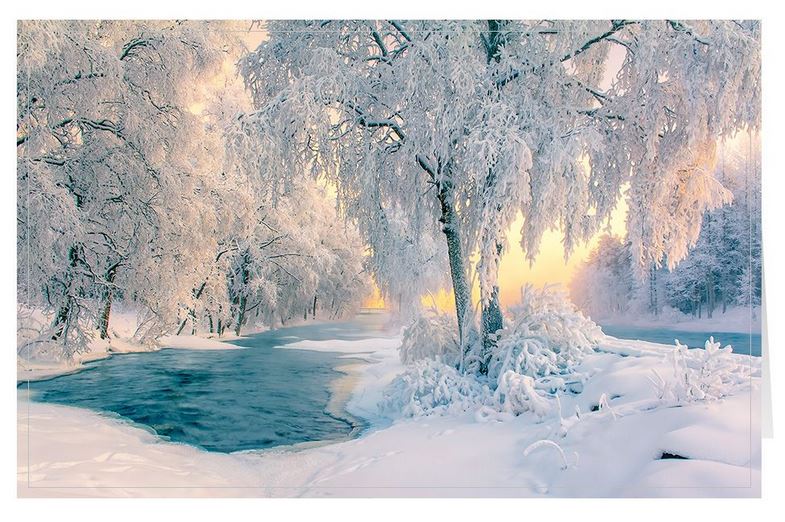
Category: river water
[223,400]
[743,343]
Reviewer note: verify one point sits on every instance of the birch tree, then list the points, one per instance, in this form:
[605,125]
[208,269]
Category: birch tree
[464,124]
[114,172]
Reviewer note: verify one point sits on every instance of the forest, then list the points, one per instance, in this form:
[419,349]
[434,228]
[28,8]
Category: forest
[723,269]
[163,166]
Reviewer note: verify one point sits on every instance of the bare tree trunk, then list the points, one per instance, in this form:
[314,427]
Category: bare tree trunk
[313,315]
[491,314]
[61,324]
[451,230]
[240,314]
[492,321]
[103,324]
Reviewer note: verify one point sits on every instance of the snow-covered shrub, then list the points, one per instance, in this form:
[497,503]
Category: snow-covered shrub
[431,387]
[431,336]
[35,337]
[516,394]
[544,335]
[701,375]
[544,338]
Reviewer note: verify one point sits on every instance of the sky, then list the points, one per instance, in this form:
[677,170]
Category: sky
[550,265]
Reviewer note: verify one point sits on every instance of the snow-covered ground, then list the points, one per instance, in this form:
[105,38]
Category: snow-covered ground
[612,439]
[734,320]
[33,367]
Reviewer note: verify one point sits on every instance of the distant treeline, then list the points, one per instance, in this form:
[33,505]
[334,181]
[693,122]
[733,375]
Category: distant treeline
[723,268]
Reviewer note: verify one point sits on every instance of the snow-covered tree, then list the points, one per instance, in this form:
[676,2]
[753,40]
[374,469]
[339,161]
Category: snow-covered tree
[113,169]
[298,258]
[722,267]
[458,126]
[605,284]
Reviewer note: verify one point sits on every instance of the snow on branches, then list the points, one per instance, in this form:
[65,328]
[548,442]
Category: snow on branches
[701,375]
[534,356]
[461,125]
[129,191]
[546,335]
[431,336]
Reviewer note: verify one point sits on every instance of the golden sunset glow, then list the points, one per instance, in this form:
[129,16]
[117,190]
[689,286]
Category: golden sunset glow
[549,267]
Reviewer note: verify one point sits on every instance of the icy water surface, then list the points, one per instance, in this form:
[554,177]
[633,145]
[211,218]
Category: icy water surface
[743,343]
[223,400]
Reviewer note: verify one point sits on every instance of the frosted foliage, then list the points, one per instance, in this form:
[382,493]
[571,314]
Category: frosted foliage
[128,192]
[534,356]
[723,268]
[114,172]
[296,255]
[431,336]
[406,260]
[701,375]
[545,335]
[508,117]
[429,387]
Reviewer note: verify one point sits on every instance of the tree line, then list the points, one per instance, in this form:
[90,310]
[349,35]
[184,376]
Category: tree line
[128,191]
[722,270]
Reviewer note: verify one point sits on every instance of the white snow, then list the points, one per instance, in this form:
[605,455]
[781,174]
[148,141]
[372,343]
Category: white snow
[739,319]
[381,354]
[612,451]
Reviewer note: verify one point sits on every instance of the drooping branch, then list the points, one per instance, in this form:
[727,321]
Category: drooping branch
[616,26]
[682,27]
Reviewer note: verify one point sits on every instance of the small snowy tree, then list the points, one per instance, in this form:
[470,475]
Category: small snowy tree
[605,284]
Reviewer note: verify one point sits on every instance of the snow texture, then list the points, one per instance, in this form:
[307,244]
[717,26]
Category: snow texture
[583,449]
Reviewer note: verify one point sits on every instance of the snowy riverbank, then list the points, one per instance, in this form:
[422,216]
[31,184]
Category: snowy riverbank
[734,320]
[616,437]
[41,366]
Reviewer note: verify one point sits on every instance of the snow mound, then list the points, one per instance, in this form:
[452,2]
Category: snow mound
[431,387]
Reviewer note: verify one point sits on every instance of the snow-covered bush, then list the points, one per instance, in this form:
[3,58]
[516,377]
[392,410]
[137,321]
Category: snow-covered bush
[431,387]
[544,338]
[544,335]
[431,336]
[516,394]
[701,375]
